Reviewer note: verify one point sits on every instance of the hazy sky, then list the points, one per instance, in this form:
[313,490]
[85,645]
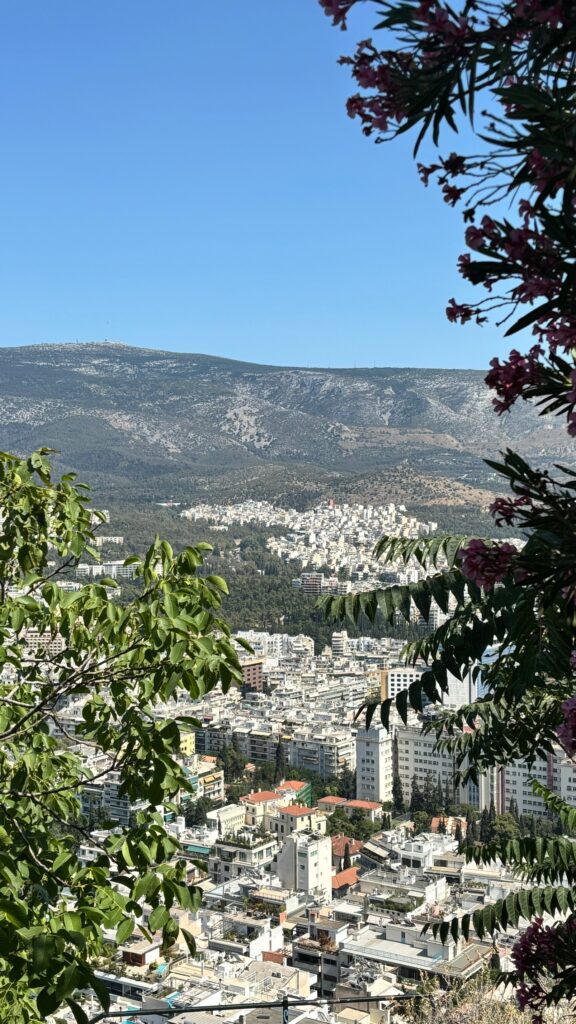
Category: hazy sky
[182,174]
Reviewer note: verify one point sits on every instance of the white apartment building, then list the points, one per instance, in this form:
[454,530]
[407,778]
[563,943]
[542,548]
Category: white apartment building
[227,820]
[512,782]
[417,757]
[459,691]
[233,855]
[401,676]
[304,864]
[374,767]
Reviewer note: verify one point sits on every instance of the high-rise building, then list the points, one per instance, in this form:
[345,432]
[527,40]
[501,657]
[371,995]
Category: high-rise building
[374,764]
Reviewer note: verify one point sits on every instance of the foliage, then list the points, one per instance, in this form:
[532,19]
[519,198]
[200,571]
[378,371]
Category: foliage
[118,669]
[196,813]
[474,1001]
[358,825]
[514,625]
[232,761]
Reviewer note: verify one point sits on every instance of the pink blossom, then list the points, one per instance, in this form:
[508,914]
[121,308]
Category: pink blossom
[474,237]
[511,378]
[517,242]
[337,10]
[505,510]
[452,194]
[539,955]
[486,564]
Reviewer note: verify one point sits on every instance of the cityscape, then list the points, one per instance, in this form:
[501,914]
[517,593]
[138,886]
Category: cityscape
[321,846]
[288,512]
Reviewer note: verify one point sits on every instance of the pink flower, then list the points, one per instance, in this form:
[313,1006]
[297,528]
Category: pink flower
[511,379]
[540,955]
[505,510]
[474,237]
[486,564]
[567,731]
[337,10]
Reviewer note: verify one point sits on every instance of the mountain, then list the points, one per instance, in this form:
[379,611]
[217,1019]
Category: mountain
[139,423]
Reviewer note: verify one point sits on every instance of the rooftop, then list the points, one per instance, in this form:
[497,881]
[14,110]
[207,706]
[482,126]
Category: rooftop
[340,842]
[364,805]
[347,877]
[297,810]
[261,797]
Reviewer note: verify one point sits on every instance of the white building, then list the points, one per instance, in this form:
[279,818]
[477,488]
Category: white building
[304,864]
[374,764]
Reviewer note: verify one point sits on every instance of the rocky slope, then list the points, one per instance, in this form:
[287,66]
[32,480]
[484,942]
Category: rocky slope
[140,422]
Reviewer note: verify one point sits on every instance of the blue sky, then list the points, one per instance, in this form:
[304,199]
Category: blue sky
[183,175]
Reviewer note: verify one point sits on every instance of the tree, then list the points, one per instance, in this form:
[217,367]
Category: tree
[442,827]
[458,834]
[421,821]
[121,667]
[346,784]
[517,190]
[492,812]
[504,828]
[485,827]
[416,798]
[347,860]
[195,813]
[280,763]
[397,795]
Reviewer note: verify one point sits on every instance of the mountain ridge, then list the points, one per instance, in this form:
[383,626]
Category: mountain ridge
[153,422]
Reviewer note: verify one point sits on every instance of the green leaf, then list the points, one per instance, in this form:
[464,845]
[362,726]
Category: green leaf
[124,930]
[190,941]
[158,918]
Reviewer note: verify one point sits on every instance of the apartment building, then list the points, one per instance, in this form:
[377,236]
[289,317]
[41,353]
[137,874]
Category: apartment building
[304,864]
[232,856]
[326,752]
[374,767]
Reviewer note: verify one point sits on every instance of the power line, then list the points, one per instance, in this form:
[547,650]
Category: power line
[285,1003]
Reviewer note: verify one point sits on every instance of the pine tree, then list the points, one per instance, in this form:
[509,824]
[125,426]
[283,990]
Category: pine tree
[280,763]
[398,794]
[513,809]
[347,859]
[485,827]
[430,796]
[492,812]
[448,797]
[416,798]
[458,836]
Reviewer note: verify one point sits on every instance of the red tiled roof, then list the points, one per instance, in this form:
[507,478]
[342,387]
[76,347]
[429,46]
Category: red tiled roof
[296,810]
[293,784]
[339,844]
[364,805]
[260,797]
[348,877]
[332,800]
